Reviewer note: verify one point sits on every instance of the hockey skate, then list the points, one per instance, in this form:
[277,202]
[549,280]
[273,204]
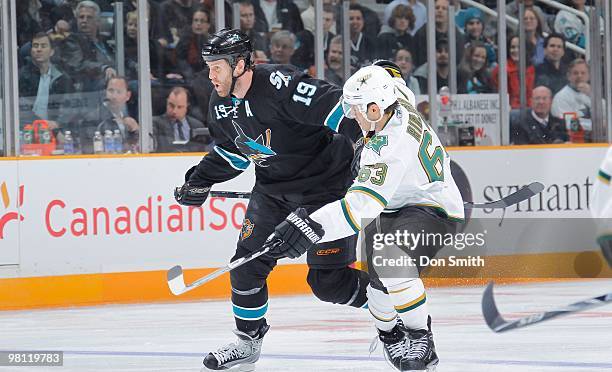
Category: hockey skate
[242,354]
[408,350]
[421,355]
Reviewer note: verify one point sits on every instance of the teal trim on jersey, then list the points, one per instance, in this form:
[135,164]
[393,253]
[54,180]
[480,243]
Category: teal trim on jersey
[245,313]
[335,117]
[235,161]
[379,198]
[603,177]
[349,217]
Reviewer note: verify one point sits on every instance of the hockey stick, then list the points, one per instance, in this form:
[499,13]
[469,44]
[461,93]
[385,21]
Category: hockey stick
[498,324]
[176,281]
[516,197]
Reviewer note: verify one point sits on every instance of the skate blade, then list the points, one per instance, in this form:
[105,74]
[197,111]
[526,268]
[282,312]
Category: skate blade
[239,368]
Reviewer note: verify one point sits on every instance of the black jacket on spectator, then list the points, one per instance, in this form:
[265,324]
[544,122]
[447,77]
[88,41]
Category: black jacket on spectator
[189,54]
[530,131]
[98,119]
[59,107]
[548,75]
[85,61]
[390,42]
[175,15]
[363,52]
[163,134]
[287,13]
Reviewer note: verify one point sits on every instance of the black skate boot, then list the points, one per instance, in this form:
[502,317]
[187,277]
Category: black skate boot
[395,345]
[243,354]
[421,355]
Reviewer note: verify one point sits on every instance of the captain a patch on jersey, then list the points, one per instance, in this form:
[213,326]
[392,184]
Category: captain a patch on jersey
[255,149]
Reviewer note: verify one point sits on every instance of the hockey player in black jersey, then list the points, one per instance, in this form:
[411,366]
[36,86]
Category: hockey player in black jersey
[292,128]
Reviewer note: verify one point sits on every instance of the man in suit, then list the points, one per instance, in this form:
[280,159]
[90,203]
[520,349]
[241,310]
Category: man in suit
[175,131]
[539,126]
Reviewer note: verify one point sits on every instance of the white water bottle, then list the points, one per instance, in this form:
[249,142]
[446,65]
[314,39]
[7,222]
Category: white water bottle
[118,141]
[68,143]
[98,145]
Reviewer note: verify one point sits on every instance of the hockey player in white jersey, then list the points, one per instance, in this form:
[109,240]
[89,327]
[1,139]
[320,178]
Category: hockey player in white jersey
[405,183]
[601,206]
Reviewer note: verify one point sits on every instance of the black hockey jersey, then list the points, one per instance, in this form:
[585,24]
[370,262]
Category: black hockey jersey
[286,125]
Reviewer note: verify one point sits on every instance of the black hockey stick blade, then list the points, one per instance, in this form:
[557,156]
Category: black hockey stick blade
[176,281]
[516,197]
[498,324]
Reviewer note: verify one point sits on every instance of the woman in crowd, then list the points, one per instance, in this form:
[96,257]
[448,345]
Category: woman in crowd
[512,68]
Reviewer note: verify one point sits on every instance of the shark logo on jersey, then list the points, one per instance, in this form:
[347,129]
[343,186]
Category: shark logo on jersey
[377,142]
[255,149]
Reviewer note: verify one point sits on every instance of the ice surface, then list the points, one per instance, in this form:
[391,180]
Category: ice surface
[308,335]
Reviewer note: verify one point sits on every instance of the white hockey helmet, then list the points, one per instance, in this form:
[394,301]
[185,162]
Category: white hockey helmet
[371,84]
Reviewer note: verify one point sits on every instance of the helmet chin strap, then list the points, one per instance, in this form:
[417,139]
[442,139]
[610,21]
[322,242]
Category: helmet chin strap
[235,79]
[372,130]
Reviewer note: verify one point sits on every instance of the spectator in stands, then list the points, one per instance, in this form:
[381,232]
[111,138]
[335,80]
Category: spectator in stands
[118,94]
[282,47]
[371,22]
[514,86]
[401,23]
[189,48]
[442,64]
[334,68]
[473,75]
[275,15]
[570,25]
[533,32]
[418,9]
[176,16]
[363,46]
[512,9]
[28,20]
[157,31]
[308,17]
[441,17]
[111,115]
[87,58]
[403,58]
[247,25]
[552,72]
[539,126]
[42,87]
[575,97]
[471,21]
[329,25]
[131,52]
[176,131]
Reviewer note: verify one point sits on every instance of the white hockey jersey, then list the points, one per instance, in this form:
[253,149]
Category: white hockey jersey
[601,205]
[403,165]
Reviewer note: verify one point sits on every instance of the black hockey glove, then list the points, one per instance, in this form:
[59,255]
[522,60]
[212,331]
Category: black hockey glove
[297,234]
[191,196]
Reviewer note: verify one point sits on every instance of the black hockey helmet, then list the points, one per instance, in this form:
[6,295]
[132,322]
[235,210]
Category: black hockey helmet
[390,67]
[228,44]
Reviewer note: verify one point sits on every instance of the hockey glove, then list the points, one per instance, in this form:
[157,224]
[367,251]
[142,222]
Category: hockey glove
[297,234]
[191,196]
